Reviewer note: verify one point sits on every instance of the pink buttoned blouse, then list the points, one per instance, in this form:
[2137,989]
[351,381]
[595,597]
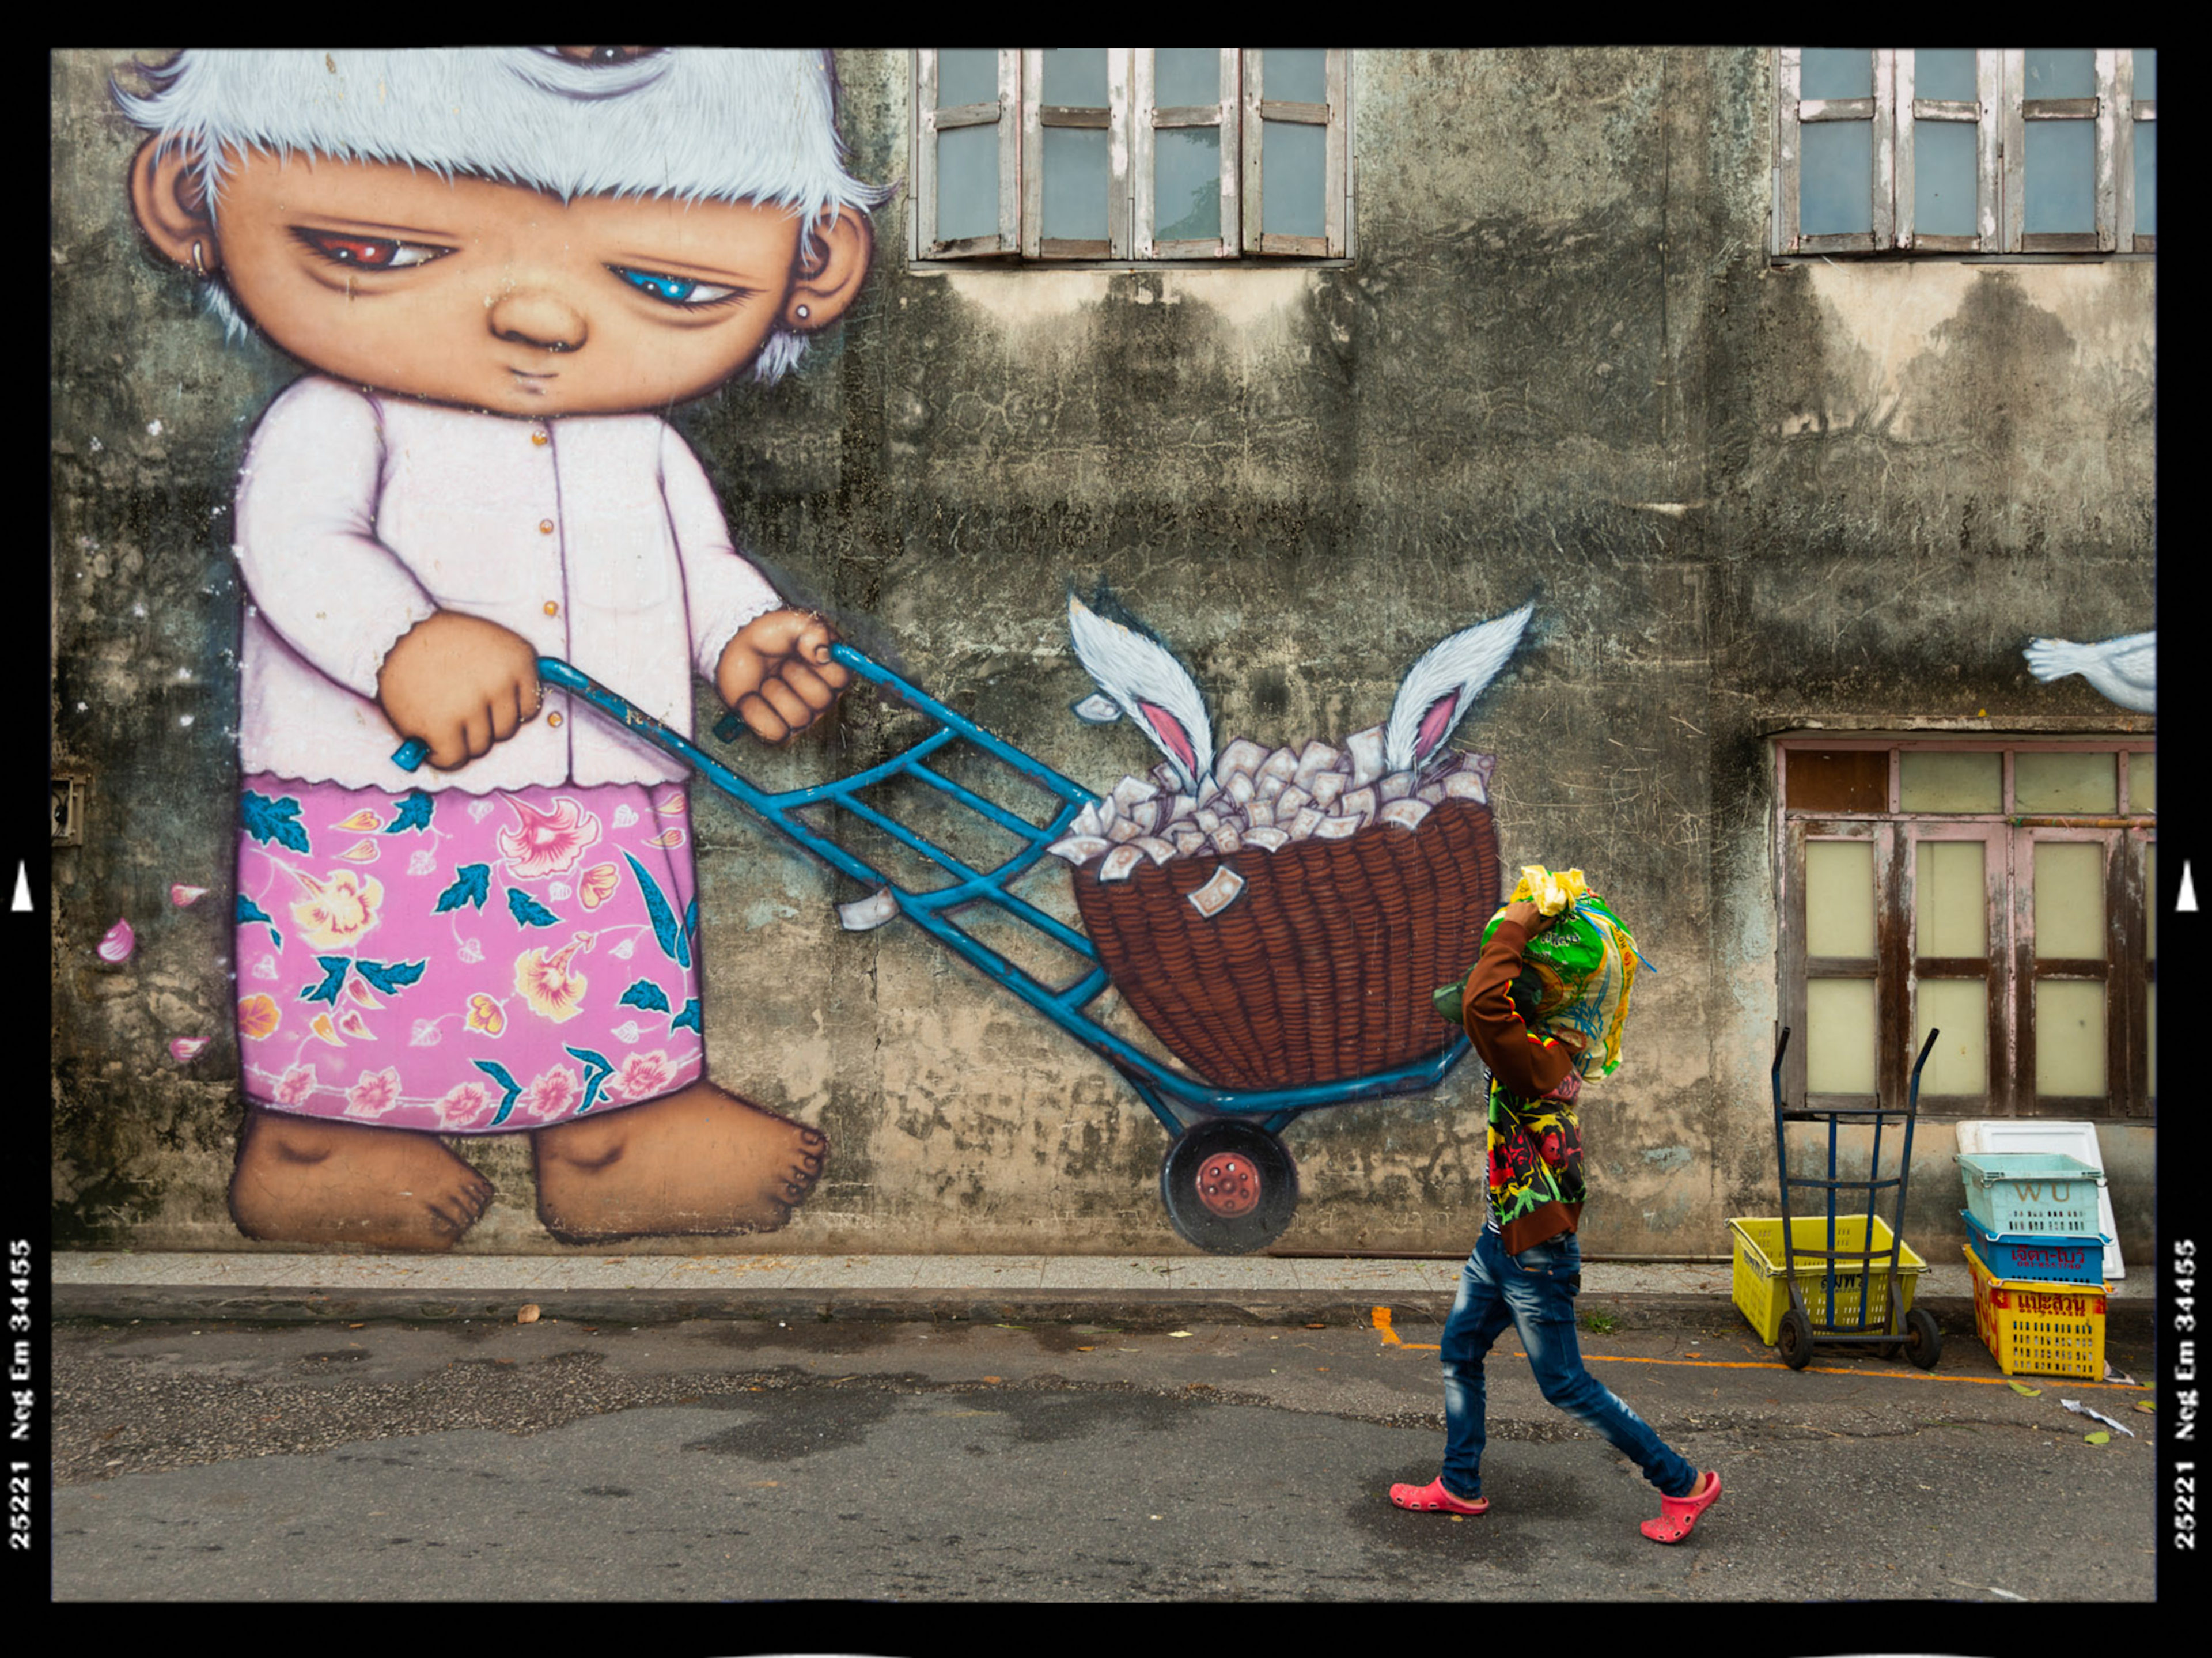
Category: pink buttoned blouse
[597,538]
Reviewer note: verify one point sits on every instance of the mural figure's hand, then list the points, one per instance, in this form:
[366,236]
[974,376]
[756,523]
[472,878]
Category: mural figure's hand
[460,684]
[779,675]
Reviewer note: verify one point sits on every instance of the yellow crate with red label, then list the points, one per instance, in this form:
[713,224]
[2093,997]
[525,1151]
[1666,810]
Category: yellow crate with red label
[2037,1328]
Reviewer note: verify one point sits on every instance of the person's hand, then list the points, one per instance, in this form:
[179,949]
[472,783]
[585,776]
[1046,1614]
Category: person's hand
[1533,920]
[779,675]
[460,684]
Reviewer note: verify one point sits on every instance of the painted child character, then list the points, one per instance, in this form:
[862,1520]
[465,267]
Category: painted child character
[496,264]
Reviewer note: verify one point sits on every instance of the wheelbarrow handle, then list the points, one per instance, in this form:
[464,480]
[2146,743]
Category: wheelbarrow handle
[551,670]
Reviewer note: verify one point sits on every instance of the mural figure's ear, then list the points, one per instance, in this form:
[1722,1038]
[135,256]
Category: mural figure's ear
[172,209]
[830,270]
[1150,685]
[1437,690]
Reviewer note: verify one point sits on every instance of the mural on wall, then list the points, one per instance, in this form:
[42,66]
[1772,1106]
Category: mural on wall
[494,266]
[2123,670]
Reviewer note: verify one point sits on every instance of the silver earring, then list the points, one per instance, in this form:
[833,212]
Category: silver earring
[199,266]
[802,309]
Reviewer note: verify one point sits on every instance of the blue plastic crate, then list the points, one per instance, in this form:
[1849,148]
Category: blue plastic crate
[2045,1257]
[2045,1193]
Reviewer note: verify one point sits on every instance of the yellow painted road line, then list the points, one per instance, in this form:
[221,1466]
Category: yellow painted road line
[1390,1339]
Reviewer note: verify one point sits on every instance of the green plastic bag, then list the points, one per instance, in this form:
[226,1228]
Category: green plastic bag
[1578,971]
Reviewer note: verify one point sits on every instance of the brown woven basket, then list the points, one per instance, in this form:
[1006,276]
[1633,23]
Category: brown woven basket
[1321,968]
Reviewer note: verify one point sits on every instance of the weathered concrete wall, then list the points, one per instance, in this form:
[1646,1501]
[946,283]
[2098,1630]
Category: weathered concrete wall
[1561,366]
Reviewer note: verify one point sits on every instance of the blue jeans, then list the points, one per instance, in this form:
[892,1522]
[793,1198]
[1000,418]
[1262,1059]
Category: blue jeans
[1534,1292]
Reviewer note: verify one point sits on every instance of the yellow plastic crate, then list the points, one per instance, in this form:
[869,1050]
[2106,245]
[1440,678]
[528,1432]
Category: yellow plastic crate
[1763,1296]
[2037,1328]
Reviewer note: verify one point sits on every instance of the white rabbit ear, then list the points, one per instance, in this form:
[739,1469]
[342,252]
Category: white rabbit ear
[1149,685]
[1437,690]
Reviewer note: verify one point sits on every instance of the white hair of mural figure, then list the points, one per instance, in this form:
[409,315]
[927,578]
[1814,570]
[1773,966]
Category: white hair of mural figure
[699,123]
[1437,690]
[2123,670]
[1146,683]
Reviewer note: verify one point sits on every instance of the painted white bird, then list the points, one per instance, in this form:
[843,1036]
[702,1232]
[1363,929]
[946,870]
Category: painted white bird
[1437,690]
[2124,669]
[1149,685]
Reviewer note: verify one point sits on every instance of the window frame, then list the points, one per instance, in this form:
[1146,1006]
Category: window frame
[2000,112]
[2128,969]
[1132,122]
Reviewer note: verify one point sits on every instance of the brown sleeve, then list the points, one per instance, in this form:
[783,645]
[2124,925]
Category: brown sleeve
[1524,1062]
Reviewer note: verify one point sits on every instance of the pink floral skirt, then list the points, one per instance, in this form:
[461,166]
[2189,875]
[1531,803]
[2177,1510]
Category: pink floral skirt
[465,963]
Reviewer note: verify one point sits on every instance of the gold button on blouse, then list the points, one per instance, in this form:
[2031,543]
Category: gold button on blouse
[552,607]
[544,526]
[540,438]
[552,718]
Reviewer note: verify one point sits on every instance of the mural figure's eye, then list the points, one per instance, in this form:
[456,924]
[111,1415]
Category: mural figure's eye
[369,252]
[685,291]
[605,54]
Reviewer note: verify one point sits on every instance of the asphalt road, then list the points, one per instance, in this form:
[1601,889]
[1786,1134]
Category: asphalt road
[720,1461]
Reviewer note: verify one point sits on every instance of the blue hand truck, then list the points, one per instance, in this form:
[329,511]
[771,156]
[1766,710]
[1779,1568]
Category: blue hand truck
[1229,1184]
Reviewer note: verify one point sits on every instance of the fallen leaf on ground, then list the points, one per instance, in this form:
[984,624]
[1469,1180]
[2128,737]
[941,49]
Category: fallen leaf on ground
[2022,1387]
[1177,1335]
[528,1314]
[2145,1405]
[2098,1438]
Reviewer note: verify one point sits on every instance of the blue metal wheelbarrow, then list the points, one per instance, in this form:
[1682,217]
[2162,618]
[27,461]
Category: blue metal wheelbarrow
[1228,1182]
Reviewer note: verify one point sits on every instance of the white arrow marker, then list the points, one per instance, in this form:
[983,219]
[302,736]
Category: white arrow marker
[2187,900]
[23,885]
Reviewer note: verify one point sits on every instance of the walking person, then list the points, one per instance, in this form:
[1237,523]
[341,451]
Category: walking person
[1526,1267]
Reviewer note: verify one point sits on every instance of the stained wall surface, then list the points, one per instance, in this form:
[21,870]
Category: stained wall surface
[1746,496]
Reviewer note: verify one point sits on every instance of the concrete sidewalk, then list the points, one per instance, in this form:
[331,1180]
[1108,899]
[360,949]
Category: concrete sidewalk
[1129,1289]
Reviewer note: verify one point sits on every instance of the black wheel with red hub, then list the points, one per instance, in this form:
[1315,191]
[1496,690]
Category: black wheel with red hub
[1230,1187]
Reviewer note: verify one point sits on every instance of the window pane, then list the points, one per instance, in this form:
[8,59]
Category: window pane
[2146,178]
[1950,900]
[1843,780]
[1839,898]
[2059,781]
[2070,900]
[967,74]
[2061,72]
[967,182]
[1970,782]
[1075,77]
[1187,183]
[1293,178]
[1840,1044]
[1836,72]
[1835,182]
[1075,182]
[1295,74]
[2143,782]
[2146,71]
[1183,76]
[2059,189]
[2069,1036]
[1946,72]
[1943,178]
[1960,1061]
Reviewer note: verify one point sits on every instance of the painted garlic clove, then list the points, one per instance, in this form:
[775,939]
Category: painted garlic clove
[118,942]
[184,1049]
[184,896]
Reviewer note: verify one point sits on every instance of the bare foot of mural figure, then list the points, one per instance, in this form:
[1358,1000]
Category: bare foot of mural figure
[699,1161]
[300,1180]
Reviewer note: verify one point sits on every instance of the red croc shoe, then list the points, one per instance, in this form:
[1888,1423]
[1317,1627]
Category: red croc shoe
[1678,1515]
[1433,1498]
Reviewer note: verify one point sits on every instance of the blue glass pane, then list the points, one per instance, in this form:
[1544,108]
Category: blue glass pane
[1946,72]
[1835,179]
[967,74]
[1076,77]
[1187,183]
[2059,185]
[1295,75]
[2146,71]
[967,182]
[2061,72]
[1293,178]
[1183,76]
[1836,72]
[1075,179]
[1943,178]
[2146,178]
